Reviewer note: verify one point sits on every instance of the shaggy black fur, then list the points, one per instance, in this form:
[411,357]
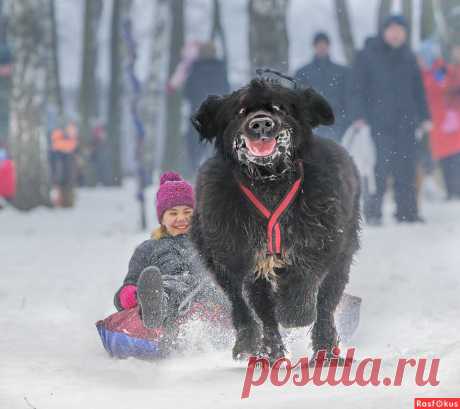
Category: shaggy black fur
[320,229]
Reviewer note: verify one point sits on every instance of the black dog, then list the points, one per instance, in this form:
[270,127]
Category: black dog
[277,215]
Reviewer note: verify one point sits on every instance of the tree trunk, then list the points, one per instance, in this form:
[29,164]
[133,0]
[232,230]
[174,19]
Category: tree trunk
[130,46]
[5,78]
[268,37]
[54,79]
[427,20]
[175,157]
[153,100]
[450,10]
[218,30]
[407,13]
[88,99]
[27,132]
[346,34]
[115,93]
[446,15]
[384,11]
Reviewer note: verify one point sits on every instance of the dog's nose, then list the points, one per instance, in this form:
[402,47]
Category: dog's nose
[261,125]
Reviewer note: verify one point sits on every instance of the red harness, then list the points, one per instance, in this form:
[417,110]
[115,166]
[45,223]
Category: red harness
[273,226]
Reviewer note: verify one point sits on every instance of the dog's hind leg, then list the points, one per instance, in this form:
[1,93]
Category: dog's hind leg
[262,299]
[324,334]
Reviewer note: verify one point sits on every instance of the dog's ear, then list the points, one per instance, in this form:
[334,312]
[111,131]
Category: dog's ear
[317,109]
[204,120]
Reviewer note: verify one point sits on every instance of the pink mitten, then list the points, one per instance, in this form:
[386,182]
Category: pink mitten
[128,297]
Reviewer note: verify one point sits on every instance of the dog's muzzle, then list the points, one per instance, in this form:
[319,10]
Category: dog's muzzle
[264,151]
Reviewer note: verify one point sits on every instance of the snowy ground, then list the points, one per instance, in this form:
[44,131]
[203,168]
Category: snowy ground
[59,270]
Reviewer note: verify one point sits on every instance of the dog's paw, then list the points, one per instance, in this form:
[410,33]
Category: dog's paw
[325,358]
[248,343]
[273,347]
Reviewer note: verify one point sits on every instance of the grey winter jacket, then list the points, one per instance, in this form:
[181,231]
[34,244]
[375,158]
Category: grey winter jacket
[180,264]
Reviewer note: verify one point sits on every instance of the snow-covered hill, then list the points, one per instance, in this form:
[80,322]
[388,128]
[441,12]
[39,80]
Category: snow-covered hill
[59,271]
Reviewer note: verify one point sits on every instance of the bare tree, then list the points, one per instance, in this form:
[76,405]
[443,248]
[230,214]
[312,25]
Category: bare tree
[346,34]
[384,11]
[153,97]
[217,30]
[268,37]
[5,76]
[119,9]
[427,19]
[173,141]
[28,31]
[450,10]
[407,13]
[54,78]
[88,99]
[446,16]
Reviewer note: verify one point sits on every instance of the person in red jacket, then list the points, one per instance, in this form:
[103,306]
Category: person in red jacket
[442,84]
[7,175]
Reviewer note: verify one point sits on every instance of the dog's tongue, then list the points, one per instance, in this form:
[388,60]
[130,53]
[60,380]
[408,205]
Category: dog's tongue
[261,147]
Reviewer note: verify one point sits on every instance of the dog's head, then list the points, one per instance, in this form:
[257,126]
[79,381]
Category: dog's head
[263,126]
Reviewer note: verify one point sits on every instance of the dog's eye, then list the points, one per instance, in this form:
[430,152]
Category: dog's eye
[242,111]
[276,107]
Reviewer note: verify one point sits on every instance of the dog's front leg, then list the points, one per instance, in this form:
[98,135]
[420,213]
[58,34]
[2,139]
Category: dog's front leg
[262,300]
[324,334]
[248,337]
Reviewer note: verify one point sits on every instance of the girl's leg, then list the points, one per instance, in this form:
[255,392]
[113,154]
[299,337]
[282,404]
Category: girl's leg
[152,298]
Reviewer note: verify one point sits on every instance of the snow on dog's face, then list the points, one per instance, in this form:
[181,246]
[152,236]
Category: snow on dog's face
[262,126]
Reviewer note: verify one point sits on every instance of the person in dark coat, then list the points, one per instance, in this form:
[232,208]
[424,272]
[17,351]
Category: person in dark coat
[207,75]
[387,93]
[329,79]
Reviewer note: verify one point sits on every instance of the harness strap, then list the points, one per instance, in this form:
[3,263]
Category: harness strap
[273,226]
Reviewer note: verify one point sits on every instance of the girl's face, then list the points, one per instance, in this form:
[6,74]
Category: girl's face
[177,220]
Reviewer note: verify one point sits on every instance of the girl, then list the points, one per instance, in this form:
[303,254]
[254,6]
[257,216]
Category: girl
[165,273]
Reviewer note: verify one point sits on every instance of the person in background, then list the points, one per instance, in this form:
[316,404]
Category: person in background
[207,75]
[330,80]
[64,143]
[7,176]
[387,93]
[451,126]
[99,154]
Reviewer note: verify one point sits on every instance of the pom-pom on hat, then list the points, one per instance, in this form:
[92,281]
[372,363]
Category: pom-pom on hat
[173,191]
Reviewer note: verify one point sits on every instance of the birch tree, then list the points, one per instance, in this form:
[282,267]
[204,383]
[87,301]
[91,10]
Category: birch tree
[152,104]
[28,33]
[54,91]
[88,98]
[173,141]
[268,37]
[344,24]
[114,120]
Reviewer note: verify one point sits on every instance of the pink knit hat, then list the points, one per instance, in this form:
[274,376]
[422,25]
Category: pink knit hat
[173,191]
